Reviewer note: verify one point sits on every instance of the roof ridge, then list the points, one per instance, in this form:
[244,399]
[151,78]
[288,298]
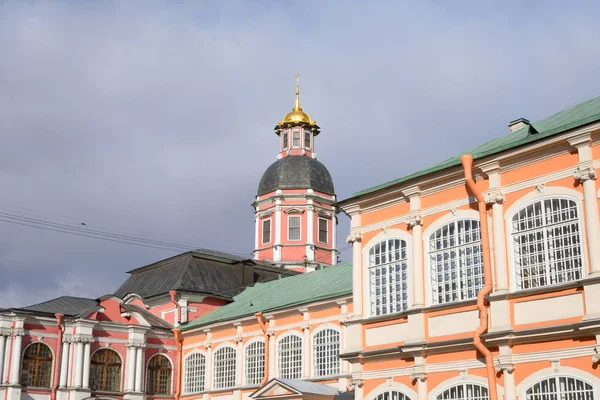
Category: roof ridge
[59,297]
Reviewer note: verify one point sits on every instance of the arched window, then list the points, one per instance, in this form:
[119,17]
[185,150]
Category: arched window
[105,371]
[254,368]
[388,277]
[392,395]
[224,368]
[465,391]
[289,357]
[158,376]
[326,353]
[455,261]
[546,243]
[561,387]
[37,366]
[195,372]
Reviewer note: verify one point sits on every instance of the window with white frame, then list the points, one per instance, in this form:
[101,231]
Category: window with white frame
[289,357]
[254,359]
[294,227]
[296,139]
[392,395]
[388,277]
[195,373]
[224,367]
[455,261]
[465,391]
[561,387]
[307,140]
[547,243]
[323,236]
[326,353]
[266,231]
[284,139]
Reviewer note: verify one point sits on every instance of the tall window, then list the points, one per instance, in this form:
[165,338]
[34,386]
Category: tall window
[561,387]
[307,140]
[195,373]
[294,227]
[388,277]
[284,139]
[455,261]
[254,368]
[105,371]
[224,367]
[326,353]
[266,231]
[392,395]
[296,139]
[323,230]
[289,357]
[37,366]
[158,376]
[465,391]
[546,241]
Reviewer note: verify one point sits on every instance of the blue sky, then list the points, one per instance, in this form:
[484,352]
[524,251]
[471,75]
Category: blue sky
[155,118]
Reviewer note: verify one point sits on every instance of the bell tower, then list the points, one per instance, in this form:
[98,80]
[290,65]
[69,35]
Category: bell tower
[294,213]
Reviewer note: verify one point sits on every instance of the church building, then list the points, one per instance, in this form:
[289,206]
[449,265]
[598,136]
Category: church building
[476,278]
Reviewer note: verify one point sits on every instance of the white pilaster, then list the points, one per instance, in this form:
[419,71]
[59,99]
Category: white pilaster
[71,365]
[310,223]
[504,364]
[415,224]
[86,366]
[209,360]
[357,263]
[15,365]
[64,364]
[256,232]
[130,369]
[271,344]
[239,361]
[277,244]
[78,364]
[306,373]
[2,347]
[5,375]
[139,369]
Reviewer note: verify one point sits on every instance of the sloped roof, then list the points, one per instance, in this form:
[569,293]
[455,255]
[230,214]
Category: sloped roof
[67,305]
[570,118]
[202,271]
[323,284]
[307,386]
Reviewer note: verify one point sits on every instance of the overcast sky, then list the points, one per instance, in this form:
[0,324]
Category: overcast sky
[155,119]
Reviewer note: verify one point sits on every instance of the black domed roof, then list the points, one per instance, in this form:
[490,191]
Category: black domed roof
[296,172]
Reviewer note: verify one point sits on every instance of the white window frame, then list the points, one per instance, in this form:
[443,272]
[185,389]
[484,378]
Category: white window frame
[442,394]
[278,353]
[559,394]
[299,227]
[299,132]
[319,230]
[532,197]
[252,342]
[263,230]
[202,382]
[459,380]
[307,135]
[390,234]
[226,377]
[550,372]
[318,330]
[387,387]
[285,140]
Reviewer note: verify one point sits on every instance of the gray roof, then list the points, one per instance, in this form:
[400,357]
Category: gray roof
[296,172]
[308,387]
[202,271]
[67,305]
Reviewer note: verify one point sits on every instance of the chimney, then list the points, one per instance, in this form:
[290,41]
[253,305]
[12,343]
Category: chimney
[518,124]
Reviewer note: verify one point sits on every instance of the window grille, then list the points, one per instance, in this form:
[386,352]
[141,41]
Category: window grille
[105,371]
[266,231]
[37,366]
[195,373]
[289,357]
[307,140]
[296,139]
[388,277]
[224,367]
[158,375]
[392,395]
[323,237]
[561,388]
[326,352]
[547,243]
[285,140]
[455,258]
[294,228]
[254,369]
[465,391]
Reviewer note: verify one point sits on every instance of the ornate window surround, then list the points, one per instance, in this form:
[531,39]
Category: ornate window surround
[551,372]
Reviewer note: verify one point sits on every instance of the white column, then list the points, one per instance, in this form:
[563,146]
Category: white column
[86,366]
[333,237]
[306,344]
[2,347]
[415,224]
[277,244]
[510,390]
[71,365]
[130,369]
[422,388]
[499,244]
[357,263]
[15,366]
[78,364]
[209,369]
[271,344]
[256,232]
[310,223]
[64,364]
[7,355]
[139,369]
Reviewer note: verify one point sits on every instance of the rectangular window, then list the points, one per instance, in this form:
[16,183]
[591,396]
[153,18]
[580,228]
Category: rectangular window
[294,228]
[322,230]
[307,140]
[296,139]
[285,140]
[266,231]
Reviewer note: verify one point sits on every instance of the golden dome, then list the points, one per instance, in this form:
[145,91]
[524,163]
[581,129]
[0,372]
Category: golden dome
[297,115]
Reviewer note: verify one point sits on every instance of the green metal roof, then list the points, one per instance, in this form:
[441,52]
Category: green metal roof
[290,291]
[570,118]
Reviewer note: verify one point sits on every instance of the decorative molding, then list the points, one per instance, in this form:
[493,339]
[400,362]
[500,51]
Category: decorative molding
[208,344]
[356,383]
[135,345]
[265,214]
[354,237]
[454,211]
[418,376]
[494,196]
[305,325]
[294,210]
[540,188]
[239,338]
[555,365]
[325,214]
[510,368]
[5,332]
[414,219]
[18,332]
[81,338]
[584,172]
[310,207]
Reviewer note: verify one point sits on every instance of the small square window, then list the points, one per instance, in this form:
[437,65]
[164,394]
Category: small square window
[294,228]
[323,230]
[296,139]
[266,231]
